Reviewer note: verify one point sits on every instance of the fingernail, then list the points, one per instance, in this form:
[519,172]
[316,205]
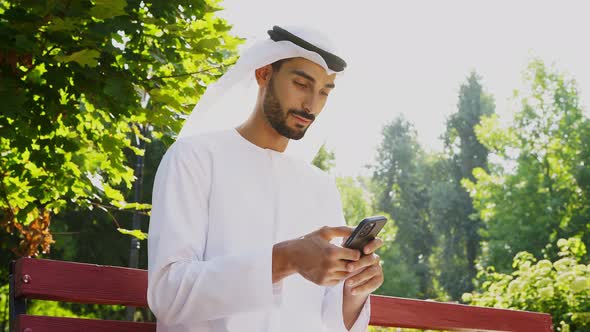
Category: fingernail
[350,268]
[353,292]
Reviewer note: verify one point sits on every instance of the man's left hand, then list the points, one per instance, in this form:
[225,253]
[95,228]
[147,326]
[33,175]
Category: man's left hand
[366,274]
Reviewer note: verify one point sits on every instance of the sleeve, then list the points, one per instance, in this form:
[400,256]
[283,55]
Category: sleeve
[183,288]
[332,314]
[332,311]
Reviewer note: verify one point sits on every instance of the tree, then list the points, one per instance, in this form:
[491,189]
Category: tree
[402,179]
[78,79]
[453,217]
[538,193]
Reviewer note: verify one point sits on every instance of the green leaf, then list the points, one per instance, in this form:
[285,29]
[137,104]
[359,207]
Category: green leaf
[135,233]
[24,42]
[35,171]
[84,57]
[59,24]
[207,44]
[113,194]
[136,206]
[104,9]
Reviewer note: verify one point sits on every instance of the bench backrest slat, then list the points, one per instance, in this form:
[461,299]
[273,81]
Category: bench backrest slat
[80,283]
[88,283]
[420,314]
[60,324]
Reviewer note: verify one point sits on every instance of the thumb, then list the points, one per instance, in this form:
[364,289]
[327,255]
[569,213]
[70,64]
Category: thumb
[328,233]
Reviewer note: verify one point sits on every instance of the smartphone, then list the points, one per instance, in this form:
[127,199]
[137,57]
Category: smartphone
[365,232]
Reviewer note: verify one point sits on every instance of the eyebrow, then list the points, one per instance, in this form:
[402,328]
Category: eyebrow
[310,78]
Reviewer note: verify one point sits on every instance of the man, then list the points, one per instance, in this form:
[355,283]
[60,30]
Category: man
[240,232]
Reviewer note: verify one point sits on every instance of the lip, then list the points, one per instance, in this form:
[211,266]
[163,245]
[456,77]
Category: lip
[300,119]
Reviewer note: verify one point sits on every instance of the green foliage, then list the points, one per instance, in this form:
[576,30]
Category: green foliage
[453,217]
[137,233]
[79,233]
[4,307]
[357,203]
[77,79]
[538,190]
[560,287]
[324,159]
[400,278]
[402,178]
[52,308]
[355,200]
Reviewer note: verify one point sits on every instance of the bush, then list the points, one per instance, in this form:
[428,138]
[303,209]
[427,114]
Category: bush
[560,288]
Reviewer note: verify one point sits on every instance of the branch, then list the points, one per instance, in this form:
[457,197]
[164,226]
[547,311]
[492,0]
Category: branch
[115,208]
[191,73]
[49,50]
[107,211]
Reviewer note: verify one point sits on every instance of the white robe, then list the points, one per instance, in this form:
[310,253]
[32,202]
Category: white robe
[219,204]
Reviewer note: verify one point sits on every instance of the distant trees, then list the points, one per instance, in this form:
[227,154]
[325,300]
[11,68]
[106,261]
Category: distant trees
[495,191]
[538,190]
[454,220]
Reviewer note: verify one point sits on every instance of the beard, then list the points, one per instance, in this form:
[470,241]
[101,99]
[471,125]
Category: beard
[277,118]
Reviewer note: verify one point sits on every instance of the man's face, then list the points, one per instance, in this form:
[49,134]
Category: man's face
[296,95]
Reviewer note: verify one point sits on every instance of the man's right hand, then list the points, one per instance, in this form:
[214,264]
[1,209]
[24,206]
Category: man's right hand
[314,257]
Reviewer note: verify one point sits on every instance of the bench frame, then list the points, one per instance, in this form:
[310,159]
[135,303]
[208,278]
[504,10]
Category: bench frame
[16,305]
[88,283]
[45,279]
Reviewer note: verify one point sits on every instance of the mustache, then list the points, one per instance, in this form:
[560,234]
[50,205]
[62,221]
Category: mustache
[303,114]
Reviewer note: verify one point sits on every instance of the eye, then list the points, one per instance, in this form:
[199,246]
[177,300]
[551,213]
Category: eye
[324,93]
[301,85]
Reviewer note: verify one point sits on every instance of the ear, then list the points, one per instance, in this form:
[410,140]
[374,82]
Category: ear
[263,75]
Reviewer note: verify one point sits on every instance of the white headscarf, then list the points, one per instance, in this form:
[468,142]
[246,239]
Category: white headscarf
[228,102]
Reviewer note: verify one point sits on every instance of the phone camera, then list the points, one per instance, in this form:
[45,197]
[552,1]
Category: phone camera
[367,229]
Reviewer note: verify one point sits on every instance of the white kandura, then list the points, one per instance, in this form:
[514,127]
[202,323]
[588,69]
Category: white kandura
[219,204]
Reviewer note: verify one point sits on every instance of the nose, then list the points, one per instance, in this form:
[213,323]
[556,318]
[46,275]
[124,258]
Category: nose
[309,104]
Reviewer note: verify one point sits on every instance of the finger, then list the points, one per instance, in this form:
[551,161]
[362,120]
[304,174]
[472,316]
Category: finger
[354,273]
[338,265]
[372,246]
[363,262]
[339,275]
[339,253]
[368,287]
[335,278]
[363,277]
[328,233]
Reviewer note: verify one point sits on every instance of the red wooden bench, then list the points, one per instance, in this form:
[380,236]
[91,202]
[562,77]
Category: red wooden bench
[88,283]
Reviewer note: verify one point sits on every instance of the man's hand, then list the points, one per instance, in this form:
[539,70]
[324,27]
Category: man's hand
[366,273]
[314,257]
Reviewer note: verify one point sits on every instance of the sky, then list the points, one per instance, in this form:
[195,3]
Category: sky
[410,57]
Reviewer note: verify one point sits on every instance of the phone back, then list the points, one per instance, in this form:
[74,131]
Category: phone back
[365,232]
